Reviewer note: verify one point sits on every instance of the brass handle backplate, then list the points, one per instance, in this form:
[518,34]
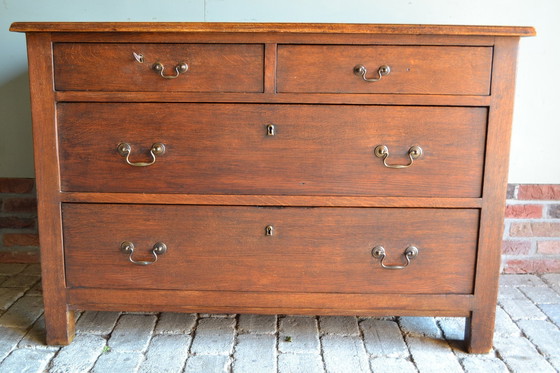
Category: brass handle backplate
[124,149]
[382,151]
[382,71]
[378,252]
[159,248]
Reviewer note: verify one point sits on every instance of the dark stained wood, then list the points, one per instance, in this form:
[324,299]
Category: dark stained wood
[274,38]
[327,195]
[270,27]
[59,320]
[270,68]
[187,308]
[270,200]
[272,302]
[317,150]
[112,67]
[479,328]
[323,98]
[414,69]
[310,250]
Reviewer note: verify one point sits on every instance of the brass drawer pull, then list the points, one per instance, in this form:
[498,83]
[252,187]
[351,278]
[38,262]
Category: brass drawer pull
[159,248]
[179,69]
[158,67]
[382,151]
[125,149]
[381,72]
[378,252]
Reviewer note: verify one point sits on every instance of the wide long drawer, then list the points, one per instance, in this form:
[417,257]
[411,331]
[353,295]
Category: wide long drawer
[270,249]
[272,149]
[182,67]
[389,69]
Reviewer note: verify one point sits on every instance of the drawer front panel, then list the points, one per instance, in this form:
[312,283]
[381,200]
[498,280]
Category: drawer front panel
[113,67]
[312,150]
[308,250]
[413,69]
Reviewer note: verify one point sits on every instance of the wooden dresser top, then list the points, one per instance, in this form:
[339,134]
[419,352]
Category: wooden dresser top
[336,28]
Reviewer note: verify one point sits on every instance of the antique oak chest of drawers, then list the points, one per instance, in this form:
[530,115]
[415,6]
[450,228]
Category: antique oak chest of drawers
[319,169]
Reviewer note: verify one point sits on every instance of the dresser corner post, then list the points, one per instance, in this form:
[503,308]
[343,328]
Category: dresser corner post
[59,320]
[60,326]
[479,331]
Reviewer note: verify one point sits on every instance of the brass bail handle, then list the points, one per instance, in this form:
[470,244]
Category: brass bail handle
[180,68]
[124,149]
[382,71]
[158,67]
[378,252]
[159,248]
[382,151]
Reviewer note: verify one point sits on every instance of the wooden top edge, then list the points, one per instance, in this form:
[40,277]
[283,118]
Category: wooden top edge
[334,28]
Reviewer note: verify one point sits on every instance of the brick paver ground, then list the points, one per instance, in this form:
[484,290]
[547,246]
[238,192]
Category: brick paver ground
[527,337]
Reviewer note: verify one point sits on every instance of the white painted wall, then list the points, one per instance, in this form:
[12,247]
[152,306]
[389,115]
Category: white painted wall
[536,133]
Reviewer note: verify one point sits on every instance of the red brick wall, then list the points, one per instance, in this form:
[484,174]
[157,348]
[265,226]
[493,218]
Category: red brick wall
[531,233]
[532,229]
[19,241]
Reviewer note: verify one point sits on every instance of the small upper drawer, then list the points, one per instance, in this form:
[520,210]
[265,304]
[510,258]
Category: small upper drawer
[413,69]
[130,67]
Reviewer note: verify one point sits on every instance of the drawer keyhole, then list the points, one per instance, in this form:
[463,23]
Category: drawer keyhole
[270,130]
[269,230]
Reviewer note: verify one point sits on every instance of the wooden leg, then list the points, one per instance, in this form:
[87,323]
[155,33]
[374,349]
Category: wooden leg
[479,331]
[58,319]
[60,324]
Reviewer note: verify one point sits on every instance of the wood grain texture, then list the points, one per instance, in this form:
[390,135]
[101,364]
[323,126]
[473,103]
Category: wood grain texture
[112,67]
[270,200]
[479,328]
[325,311]
[271,302]
[414,69]
[58,319]
[270,27]
[317,150]
[317,181]
[224,248]
[270,68]
[274,38]
[269,97]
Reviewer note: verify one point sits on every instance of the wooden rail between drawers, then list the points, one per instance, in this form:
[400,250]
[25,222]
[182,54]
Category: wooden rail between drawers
[270,200]
[279,98]
[271,303]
